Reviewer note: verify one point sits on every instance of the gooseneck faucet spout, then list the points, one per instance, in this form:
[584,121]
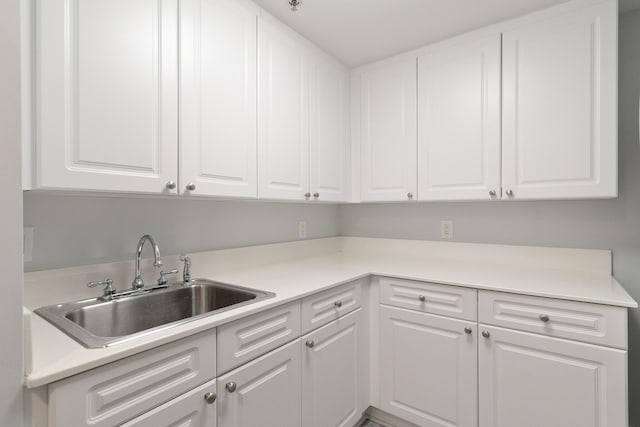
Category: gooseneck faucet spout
[157,262]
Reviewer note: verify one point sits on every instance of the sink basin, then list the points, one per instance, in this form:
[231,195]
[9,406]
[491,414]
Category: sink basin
[96,323]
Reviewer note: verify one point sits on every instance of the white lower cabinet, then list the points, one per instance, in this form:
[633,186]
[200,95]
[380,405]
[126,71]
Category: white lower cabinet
[529,380]
[331,384]
[194,409]
[428,368]
[263,392]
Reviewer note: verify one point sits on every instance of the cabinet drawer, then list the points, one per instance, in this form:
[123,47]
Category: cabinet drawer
[452,301]
[123,390]
[592,323]
[253,336]
[324,307]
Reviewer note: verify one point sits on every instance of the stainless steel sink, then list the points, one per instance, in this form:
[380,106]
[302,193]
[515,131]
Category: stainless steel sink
[96,323]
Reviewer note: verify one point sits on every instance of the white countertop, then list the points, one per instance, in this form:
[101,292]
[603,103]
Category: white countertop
[295,270]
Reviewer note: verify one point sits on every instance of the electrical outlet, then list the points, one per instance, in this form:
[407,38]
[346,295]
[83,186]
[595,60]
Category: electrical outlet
[27,243]
[446,229]
[302,229]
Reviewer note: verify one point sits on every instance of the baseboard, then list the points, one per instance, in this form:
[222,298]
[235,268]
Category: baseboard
[386,419]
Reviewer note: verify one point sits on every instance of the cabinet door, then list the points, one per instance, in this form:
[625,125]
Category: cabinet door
[529,380]
[428,368]
[560,106]
[218,84]
[328,133]
[283,120]
[459,122]
[193,409]
[264,392]
[331,387]
[388,132]
[107,95]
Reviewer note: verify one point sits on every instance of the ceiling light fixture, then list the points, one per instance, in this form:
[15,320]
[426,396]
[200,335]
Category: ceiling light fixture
[294,4]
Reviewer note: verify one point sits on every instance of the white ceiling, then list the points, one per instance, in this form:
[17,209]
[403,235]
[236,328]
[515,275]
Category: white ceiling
[361,31]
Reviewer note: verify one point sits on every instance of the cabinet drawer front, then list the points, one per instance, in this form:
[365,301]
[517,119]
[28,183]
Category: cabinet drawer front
[452,301]
[120,391]
[190,409]
[248,338]
[322,308]
[593,323]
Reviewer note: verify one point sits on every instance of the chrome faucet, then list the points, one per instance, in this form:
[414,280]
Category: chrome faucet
[157,262]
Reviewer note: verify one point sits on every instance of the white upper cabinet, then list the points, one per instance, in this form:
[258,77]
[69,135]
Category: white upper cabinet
[218,84]
[283,120]
[106,95]
[328,132]
[388,132]
[459,121]
[560,106]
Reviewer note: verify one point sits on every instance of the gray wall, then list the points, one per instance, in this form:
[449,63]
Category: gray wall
[11,369]
[80,229]
[607,224]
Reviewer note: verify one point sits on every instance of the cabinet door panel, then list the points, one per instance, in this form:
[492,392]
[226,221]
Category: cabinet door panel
[218,84]
[428,368]
[283,138]
[560,106]
[107,94]
[331,386]
[267,391]
[388,132]
[328,134]
[530,381]
[459,122]
[189,410]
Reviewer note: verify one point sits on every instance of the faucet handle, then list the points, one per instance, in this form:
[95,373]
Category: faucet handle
[162,280]
[108,287]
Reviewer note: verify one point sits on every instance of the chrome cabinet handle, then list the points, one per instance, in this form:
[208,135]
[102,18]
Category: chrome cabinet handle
[310,343]
[486,334]
[171,185]
[409,195]
[544,318]
[422,298]
[493,193]
[191,186]
[210,397]
[231,387]
[316,195]
[307,195]
[509,193]
[338,304]
[468,330]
